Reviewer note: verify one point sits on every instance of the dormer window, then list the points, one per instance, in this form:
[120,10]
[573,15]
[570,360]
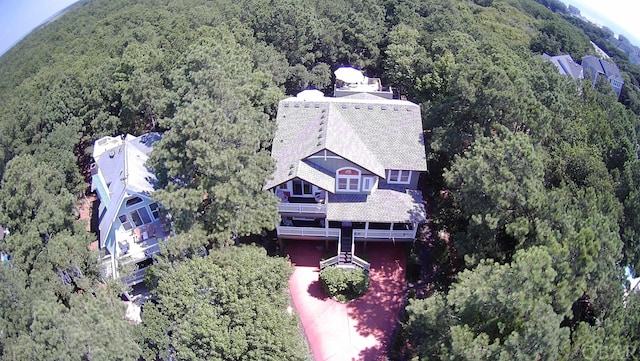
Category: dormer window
[347,180]
[399,176]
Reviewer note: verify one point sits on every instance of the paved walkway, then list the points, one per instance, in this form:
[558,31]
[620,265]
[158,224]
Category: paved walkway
[361,329]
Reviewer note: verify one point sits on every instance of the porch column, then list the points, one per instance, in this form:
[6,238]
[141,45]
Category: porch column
[114,267]
[366,230]
[391,230]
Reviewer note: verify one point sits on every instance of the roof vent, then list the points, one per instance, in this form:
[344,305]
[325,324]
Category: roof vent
[319,144]
[370,107]
[306,105]
[344,106]
[291,166]
[358,106]
[383,107]
[112,153]
[286,105]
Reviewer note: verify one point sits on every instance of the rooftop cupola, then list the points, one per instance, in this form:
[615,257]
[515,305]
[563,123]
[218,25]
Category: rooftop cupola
[350,81]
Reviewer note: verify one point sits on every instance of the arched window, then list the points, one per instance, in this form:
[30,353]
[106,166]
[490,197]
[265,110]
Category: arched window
[347,180]
[133,201]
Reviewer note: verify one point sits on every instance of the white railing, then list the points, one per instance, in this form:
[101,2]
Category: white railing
[383,233]
[360,262]
[302,208]
[308,231]
[139,254]
[329,262]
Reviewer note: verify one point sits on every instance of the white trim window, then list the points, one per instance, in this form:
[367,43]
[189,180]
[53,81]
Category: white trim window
[399,176]
[347,180]
[368,183]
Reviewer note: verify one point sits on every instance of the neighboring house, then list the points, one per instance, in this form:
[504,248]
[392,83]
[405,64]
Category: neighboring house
[130,224]
[566,65]
[347,169]
[594,67]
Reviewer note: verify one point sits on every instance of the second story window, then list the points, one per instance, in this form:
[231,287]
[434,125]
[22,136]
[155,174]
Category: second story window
[302,188]
[348,180]
[399,176]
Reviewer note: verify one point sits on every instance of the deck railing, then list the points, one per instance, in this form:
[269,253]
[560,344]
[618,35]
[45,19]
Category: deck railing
[308,231]
[329,262]
[360,262]
[384,234]
[140,254]
[302,208]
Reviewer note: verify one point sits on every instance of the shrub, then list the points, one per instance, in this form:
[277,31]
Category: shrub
[344,284]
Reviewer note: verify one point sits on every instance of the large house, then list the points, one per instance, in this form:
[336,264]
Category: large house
[597,67]
[566,65]
[591,67]
[347,167]
[130,223]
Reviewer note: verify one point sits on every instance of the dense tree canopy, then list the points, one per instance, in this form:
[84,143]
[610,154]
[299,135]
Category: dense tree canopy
[229,305]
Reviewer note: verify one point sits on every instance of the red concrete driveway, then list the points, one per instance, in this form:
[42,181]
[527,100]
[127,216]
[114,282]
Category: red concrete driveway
[361,329]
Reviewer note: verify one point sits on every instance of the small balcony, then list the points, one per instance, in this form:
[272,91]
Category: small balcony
[302,207]
[135,247]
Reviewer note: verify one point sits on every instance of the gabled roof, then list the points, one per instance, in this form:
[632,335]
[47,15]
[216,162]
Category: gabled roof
[369,131]
[566,65]
[602,66]
[121,161]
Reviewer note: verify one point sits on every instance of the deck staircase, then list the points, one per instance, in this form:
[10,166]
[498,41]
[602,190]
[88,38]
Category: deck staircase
[345,248]
[345,257]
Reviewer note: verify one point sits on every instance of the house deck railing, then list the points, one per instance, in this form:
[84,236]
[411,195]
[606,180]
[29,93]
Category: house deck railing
[329,262]
[384,234]
[302,208]
[308,231]
[358,234]
[360,262]
[140,254]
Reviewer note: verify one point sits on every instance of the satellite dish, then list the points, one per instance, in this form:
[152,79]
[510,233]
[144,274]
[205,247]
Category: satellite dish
[349,75]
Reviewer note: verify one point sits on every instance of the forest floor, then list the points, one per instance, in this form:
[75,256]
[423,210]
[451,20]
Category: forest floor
[358,330]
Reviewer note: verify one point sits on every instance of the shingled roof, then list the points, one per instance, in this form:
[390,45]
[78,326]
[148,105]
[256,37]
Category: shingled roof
[384,205]
[370,131]
[122,165]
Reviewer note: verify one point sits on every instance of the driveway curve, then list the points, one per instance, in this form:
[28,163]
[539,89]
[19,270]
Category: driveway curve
[361,329]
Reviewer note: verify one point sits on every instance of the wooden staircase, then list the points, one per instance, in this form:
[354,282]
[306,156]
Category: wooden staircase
[345,257]
[345,248]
